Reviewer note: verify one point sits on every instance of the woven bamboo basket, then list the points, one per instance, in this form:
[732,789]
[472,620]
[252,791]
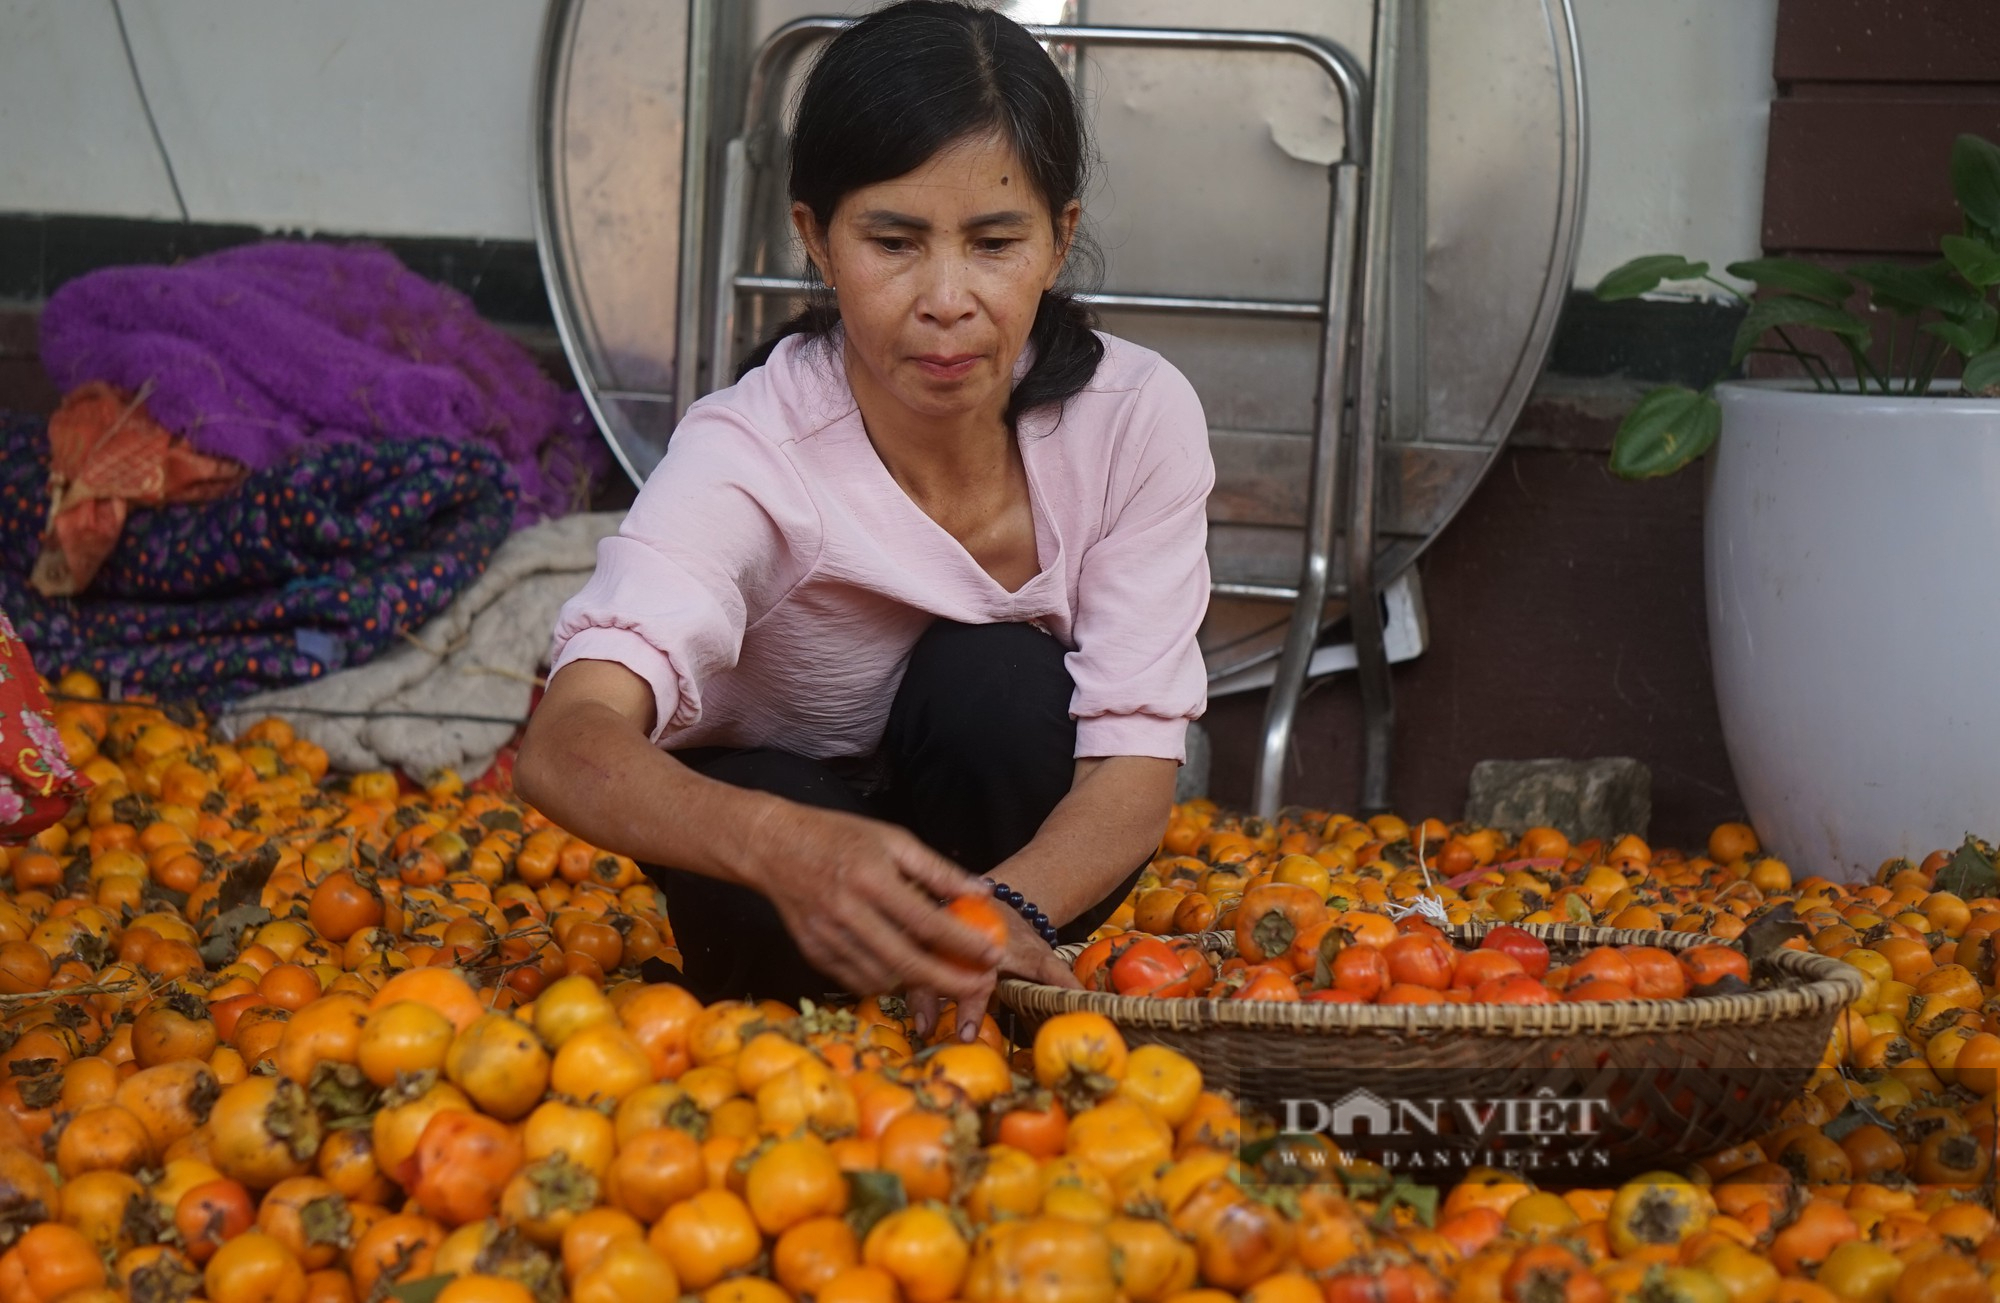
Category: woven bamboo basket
[1581,1092]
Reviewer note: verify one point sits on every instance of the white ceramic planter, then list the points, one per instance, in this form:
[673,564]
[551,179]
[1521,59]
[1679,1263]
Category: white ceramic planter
[1853,566]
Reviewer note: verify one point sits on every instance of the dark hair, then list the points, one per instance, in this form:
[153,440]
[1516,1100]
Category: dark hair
[905,82]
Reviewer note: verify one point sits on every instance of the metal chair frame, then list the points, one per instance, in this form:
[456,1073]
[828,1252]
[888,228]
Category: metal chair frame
[1348,365]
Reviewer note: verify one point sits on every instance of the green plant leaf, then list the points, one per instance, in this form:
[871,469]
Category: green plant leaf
[1982,374]
[1405,1193]
[1794,277]
[424,1289]
[871,1196]
[1975,334]
[1790,310]
[1908,290]
[1669,428]
[1975,179]
[1644,275]
[1976,260]
[1970,873]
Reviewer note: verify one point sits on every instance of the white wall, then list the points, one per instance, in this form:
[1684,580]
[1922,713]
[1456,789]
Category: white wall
[413,116]
[389,116]
[1678,93]
[71,135]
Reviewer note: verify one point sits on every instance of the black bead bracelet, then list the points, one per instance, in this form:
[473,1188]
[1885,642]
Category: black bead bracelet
[1021,905]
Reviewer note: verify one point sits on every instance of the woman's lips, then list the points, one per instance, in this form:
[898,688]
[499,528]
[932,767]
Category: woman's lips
[947,366]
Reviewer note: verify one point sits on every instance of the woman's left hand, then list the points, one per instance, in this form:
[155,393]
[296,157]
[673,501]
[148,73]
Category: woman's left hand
[1028,957]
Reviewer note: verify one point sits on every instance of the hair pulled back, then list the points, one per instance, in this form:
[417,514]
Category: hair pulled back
[905,82]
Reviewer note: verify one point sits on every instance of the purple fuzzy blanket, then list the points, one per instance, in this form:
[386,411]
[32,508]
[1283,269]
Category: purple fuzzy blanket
[254,351]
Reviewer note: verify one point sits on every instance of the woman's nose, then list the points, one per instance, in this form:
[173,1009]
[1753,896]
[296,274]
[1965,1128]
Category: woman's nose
[947,292]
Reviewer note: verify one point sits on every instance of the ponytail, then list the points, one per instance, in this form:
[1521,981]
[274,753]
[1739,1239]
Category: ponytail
[1067,351]
[815,321]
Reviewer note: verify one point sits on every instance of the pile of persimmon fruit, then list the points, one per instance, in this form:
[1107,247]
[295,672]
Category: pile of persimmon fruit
[1290,948]
[1877,1184]
[278,1035]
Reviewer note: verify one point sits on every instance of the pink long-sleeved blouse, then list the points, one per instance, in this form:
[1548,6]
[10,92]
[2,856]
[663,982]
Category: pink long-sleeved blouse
[772,576]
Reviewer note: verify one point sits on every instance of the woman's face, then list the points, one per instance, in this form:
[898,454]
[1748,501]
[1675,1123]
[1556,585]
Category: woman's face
[938,275]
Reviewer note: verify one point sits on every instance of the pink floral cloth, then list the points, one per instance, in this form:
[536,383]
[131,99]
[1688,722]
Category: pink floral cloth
[37,783]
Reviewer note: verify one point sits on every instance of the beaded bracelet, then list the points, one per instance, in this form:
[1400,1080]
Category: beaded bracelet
[1006,895]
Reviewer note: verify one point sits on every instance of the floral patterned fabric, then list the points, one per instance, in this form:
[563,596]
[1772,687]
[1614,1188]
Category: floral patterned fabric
[311,565]
[36,781]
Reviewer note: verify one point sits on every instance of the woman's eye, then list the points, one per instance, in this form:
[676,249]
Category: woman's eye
[892,243]
[994,245]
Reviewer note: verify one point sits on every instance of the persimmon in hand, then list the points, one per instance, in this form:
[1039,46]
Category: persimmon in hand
[981,915]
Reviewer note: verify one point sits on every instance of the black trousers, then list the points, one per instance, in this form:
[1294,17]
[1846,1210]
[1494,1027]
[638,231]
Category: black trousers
[978,750]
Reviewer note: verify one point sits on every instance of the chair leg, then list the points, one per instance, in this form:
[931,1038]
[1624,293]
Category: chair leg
[1378,703]
[1378,708]
[1281,709]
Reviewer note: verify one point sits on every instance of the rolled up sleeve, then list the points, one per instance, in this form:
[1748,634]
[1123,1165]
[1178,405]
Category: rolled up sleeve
[1143,587]
[721,531]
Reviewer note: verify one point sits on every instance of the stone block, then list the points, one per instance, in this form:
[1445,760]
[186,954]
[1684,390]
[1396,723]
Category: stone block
[1606,797]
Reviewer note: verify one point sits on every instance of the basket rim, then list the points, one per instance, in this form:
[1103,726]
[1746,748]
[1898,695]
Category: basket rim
[1815,984]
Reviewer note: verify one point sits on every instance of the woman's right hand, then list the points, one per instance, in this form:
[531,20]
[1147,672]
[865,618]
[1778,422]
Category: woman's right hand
[859,897]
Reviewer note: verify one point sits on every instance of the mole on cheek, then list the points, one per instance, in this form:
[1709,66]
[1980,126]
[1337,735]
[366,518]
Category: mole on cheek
[1003,180]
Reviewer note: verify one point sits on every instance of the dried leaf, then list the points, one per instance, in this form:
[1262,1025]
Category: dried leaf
[1727,984]
[225,933]
[144,1221]
[43,1089]
[1856,1115]
[1772,931]
[339,1090]
[245,883]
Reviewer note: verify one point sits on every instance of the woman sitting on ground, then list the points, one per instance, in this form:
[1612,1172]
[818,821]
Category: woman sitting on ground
[916,598]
